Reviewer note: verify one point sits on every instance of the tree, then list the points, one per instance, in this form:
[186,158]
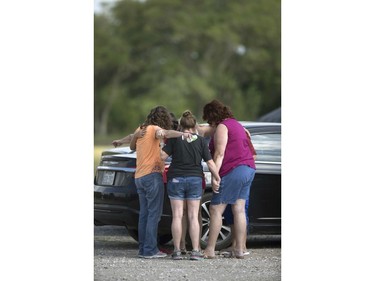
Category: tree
[182,54]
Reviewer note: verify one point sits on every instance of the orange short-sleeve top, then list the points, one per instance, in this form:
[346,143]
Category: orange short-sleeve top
[148,153]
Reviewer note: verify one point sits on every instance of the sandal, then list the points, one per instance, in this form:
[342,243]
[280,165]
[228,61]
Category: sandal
[227,254]
[238,254]
[231,254]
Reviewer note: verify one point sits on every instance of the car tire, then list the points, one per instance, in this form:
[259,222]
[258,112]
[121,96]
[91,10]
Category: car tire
[224,239]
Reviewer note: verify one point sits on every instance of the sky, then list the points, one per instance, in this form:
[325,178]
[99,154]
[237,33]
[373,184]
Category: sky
[97,4]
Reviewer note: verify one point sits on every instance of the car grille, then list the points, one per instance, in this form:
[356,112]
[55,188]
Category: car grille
[114,178]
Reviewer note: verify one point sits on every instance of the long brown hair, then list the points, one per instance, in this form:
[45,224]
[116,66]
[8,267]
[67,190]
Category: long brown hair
[159,116]
[215,111]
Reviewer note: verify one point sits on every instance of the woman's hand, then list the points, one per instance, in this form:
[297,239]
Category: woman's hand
[140,133]
[187,136]
[116,143]
[215,185]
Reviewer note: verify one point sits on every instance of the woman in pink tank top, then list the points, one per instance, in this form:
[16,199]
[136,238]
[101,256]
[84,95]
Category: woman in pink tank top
[234,159]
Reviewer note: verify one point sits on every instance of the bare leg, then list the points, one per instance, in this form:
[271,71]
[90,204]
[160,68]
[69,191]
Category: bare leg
[233,229]
[229,250]
[193,207]
[200,222]
[244,247]
[216,212]
[184,228]
[177,212]
[238,210]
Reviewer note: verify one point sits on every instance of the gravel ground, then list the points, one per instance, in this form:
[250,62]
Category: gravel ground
[115,258]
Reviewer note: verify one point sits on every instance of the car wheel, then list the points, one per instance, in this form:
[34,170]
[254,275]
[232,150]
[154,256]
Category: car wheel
[224,239]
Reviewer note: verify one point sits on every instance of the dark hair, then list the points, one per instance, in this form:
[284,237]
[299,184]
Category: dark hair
[188,120]
[159,116]
[215,112]
[174,121]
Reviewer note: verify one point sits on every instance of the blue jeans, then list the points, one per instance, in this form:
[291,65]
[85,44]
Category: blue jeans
[150,190]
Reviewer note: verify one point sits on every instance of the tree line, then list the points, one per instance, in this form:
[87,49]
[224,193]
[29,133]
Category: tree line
[182,54]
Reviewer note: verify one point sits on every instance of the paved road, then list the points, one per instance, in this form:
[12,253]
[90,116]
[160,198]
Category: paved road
[115,258]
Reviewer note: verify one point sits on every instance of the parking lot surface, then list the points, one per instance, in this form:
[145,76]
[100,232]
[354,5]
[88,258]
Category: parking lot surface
[115,258]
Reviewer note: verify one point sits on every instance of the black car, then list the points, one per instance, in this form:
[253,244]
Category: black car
[116,198]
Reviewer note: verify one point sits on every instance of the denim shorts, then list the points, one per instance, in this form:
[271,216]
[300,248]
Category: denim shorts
[234,185]
[185,188]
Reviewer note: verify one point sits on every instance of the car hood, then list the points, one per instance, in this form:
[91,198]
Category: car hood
[120,151]
[126,152]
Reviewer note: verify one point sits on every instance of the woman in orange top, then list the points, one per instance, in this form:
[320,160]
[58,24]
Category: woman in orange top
[149,179]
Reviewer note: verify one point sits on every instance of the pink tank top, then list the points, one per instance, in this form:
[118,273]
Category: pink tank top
[237,151]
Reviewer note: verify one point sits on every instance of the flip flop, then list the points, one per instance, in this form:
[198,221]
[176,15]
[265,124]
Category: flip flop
[238,255]
[227,254]
[205,256]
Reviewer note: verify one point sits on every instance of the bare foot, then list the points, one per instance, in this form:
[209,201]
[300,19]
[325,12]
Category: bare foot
[209,254]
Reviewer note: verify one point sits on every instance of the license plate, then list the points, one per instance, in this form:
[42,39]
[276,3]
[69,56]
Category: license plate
[108,177]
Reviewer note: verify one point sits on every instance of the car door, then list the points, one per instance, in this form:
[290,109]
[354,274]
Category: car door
[265,192]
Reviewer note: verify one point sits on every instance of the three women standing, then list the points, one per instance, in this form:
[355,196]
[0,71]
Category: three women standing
[232,166]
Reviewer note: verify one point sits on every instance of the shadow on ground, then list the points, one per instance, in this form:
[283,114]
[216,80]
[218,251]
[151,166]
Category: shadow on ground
[116,237]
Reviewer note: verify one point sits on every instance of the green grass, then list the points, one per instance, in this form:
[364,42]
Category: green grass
[107,139]
[101,143]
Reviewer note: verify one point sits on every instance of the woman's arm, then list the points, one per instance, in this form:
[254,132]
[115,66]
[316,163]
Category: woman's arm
[125,140]
[221,140]
[161,134]
[215,175]
[205,130]
[137,133]
[253,151]
[163,155]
